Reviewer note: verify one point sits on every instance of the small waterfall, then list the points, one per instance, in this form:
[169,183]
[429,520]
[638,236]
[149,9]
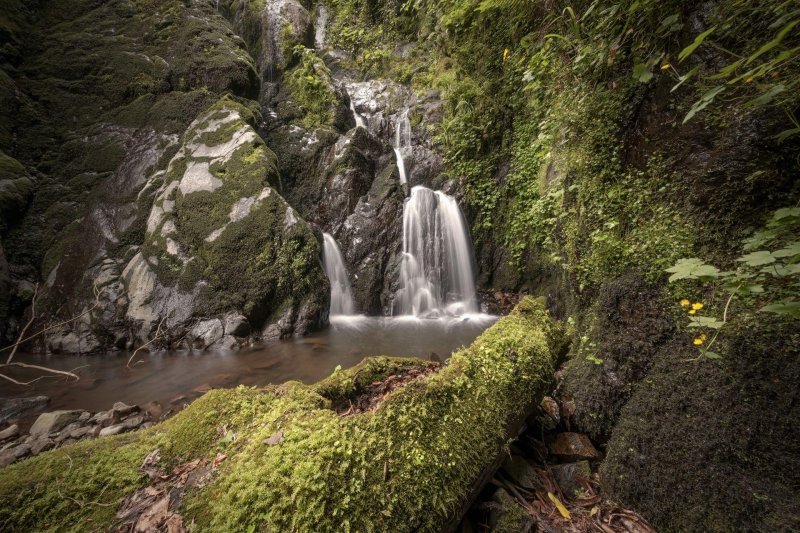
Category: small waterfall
[360,122]
[341,294]
[436,275]
[320,28]
[402,144]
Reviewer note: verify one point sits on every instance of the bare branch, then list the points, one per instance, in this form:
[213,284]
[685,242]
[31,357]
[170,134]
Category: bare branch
[151,341]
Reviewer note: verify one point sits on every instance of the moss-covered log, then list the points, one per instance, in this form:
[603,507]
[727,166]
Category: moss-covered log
[293,463]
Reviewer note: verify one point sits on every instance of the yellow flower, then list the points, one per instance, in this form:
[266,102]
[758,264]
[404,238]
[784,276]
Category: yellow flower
[505,55]
[698,341]
[692,311]
[685,303]
[698,306]
[665,66]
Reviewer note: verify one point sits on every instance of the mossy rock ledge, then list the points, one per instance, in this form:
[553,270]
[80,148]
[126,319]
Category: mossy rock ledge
[286,460]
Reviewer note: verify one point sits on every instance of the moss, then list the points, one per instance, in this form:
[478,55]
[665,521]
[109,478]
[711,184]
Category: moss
[713,447]
[312,88]
[403,467]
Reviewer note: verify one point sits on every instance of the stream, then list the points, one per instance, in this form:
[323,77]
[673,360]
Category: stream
[177,377]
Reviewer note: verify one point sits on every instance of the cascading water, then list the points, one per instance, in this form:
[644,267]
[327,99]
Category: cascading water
[402,143]
[360,122]
[436,275]
[341,294]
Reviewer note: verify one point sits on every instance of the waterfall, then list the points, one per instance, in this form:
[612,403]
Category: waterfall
[341,294]
[436,275]
[402,143]
[360,122]
[320,28]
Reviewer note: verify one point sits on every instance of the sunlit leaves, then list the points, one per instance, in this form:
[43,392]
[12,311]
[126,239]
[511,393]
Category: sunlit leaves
[689,50]
[786,308]
[762,257]
[692,268]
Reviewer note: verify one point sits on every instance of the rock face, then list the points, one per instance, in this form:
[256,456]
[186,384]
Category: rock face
[52,422]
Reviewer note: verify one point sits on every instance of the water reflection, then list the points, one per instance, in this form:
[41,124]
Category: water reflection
[174,378]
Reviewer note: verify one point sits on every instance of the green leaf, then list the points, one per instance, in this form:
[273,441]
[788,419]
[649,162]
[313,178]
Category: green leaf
[686,52]
[762,257]
[683,79]
[787,308]
[705,322]
[704,102]
[790,250]
[711,355]
[692,268]
[767,97]
[774,42]
[785,134]
[642,73]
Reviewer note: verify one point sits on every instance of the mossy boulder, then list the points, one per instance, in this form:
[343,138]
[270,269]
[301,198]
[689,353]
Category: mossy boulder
[291,462]
[220,238]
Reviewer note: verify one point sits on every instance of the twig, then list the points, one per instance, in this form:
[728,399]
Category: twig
[158,334]
[22,333]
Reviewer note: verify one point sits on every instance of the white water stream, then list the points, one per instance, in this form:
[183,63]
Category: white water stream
[402,144]
[437,276]
[341,293]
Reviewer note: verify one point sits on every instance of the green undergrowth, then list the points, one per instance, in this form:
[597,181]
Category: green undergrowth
[406,466]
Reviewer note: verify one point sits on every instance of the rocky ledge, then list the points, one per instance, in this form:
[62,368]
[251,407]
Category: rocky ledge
[58,428]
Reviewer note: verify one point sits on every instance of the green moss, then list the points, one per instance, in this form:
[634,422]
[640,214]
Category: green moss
[312,88]
[403,467]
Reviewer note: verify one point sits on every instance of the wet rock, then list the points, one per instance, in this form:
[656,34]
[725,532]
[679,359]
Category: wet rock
[23,450]
[521,471]
[85,416]
[105,418]
[41,445]
[7,457]
[566,475]
[123,409]
[226,343]
[133,422]
[10,432]
[573,445]
[14,408]
[154,409]
[207,332]
[53,422]
[112,430]
[548,415]
[80,432]
[236,324]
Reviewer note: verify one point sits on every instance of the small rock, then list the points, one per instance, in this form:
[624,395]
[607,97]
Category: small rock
[23,450]
[133,422]
[236,325]
[112,430]
[85,416]
[202,389]
[566,475]
[7,457]
[52,422]
[146,425]
[573,445]
[521,471]
[42,445]
[12,408]
[10,432]
[567,408]
[80,432]
[124,409]
[154,409]
[105,418]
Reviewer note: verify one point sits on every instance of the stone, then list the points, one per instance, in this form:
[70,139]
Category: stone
[236,324]
[105,418]
[112,430]
[566,475]
[85,416]
[133,422]
[10,432]
[154,409]
[14,408]
[53,421]
[80,432]
[41,445]
[207,332]
[7,457]
[124,409]
[521,471]
[23,450]
[573,445]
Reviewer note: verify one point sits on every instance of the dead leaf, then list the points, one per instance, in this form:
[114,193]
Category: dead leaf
[276,438]
[560,506]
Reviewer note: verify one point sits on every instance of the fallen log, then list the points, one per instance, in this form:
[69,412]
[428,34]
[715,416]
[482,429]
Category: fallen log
[306,458]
